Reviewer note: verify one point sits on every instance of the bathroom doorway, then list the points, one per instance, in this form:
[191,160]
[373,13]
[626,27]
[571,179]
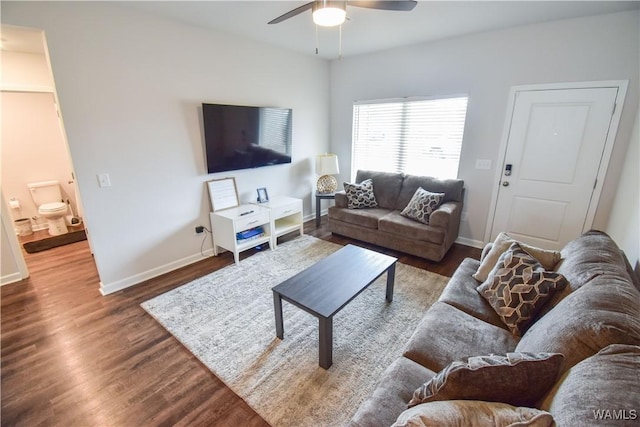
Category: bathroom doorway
[34,146]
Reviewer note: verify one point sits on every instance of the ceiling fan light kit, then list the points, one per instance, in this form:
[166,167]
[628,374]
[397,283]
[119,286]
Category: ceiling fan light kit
[328,13]
[332,13]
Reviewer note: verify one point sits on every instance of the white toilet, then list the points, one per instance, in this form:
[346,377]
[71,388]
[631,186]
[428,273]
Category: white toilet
[48,198]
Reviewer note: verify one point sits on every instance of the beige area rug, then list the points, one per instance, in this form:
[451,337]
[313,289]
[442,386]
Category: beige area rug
[226,320]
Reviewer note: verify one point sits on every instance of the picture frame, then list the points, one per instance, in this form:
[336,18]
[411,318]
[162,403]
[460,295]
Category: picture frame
[223,193]
[263,196]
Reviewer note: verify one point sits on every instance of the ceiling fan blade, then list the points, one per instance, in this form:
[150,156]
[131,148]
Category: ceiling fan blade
[399,5]
[292,13]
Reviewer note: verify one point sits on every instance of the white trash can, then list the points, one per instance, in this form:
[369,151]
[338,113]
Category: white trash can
[23,227]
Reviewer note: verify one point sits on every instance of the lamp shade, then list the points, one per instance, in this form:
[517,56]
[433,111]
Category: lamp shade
[327,164]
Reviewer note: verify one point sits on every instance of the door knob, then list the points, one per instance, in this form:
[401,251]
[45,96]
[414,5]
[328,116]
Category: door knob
[505,183]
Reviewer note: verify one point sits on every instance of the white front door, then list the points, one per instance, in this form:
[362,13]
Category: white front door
[554,151]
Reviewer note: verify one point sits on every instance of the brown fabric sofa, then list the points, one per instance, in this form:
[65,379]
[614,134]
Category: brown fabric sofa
[594,322]
[384,226]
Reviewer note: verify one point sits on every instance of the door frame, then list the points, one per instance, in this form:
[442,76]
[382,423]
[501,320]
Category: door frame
[7,222]
[621,85]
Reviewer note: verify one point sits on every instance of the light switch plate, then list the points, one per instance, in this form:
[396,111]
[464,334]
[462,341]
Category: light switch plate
[104,180]
[483,164]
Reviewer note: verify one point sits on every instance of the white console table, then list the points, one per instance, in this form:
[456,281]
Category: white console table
[286,216]
[226,223]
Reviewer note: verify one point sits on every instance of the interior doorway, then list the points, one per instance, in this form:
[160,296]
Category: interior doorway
[34,145]
[557,148]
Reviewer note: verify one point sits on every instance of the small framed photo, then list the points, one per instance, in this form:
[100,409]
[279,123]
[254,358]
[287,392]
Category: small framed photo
[263,196]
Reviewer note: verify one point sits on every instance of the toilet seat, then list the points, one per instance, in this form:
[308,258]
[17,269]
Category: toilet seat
[49,208]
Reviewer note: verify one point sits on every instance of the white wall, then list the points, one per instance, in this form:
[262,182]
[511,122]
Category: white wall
[485,66]
[21,70]
[624,222]
[130,87]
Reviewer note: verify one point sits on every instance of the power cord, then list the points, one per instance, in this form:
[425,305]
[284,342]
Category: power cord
[204,239]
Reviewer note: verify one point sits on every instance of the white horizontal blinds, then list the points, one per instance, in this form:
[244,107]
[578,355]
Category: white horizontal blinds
[418,137]
[275,125]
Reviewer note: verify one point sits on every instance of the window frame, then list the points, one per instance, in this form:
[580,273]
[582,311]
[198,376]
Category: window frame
[404,128]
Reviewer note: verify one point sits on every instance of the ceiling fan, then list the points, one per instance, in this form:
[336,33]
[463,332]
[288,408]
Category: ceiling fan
[330,13]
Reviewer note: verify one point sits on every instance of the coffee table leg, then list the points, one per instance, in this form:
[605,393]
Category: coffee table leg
[325,341]
[391,276]
[277,308]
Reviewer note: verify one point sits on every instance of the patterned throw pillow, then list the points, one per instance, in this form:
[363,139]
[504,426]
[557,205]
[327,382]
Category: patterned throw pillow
[422,204]
[360,195]
[519,379]
[518,287]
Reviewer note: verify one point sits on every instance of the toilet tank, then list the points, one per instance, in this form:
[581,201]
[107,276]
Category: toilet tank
[45,192]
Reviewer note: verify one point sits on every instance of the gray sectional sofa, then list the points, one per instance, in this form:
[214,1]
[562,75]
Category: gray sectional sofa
[593,322]
[384,226]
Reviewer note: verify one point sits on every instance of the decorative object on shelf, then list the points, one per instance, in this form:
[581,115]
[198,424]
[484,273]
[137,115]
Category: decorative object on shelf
[263,196]
[223,193]
[326,166]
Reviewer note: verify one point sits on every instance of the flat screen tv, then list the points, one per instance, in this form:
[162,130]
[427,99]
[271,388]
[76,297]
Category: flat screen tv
[242,137]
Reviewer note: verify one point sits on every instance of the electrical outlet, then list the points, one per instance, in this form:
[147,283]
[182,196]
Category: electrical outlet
[199,229]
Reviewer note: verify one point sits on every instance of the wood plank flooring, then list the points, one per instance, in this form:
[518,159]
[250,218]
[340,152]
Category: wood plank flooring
[71,357]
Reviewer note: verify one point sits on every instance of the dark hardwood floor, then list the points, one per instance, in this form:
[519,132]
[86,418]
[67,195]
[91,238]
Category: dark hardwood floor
[72,357]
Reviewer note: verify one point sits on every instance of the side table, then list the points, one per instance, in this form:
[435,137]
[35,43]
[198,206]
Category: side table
[226,223]
[319,197]
[286,216]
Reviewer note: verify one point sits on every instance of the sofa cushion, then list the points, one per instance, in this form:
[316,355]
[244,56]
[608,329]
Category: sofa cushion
[360,195]
[392,394]
[517,290]
[368,218]
[519,379]
[397,224]
[452,188]
[605,311]
[547,258]
[386,186]
[461,292]
[422,204]
[603,389]
[472,413]
[446,334]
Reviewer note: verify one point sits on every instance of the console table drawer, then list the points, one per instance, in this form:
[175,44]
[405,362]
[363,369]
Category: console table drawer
[252,220]
[286,210]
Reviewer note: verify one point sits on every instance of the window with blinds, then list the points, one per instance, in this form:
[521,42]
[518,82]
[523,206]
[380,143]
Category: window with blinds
[416,136]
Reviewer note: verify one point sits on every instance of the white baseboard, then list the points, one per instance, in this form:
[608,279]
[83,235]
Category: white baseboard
[470,242]
[109,288]
[11,278]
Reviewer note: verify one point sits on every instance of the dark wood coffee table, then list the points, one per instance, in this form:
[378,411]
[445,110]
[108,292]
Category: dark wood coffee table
[327,286]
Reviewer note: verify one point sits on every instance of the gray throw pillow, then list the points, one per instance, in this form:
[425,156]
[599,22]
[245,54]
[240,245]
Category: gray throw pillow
[472,413]
[360,195]
[422,204]
[519,379]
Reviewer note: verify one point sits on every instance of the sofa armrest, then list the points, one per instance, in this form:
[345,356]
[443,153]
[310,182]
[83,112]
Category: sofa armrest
[341,199]
[447,216]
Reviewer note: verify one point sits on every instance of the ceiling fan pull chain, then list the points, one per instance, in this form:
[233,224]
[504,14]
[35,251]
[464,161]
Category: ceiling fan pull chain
[340,43]
[316,39]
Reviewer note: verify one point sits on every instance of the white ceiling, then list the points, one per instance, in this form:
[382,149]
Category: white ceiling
[366,30]
[371,30]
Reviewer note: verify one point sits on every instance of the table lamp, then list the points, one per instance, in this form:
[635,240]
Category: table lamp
[326,166]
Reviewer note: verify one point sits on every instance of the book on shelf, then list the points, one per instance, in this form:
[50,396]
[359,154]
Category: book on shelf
[250,234]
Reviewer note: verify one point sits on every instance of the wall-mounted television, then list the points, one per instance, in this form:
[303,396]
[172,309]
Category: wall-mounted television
[243,137]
